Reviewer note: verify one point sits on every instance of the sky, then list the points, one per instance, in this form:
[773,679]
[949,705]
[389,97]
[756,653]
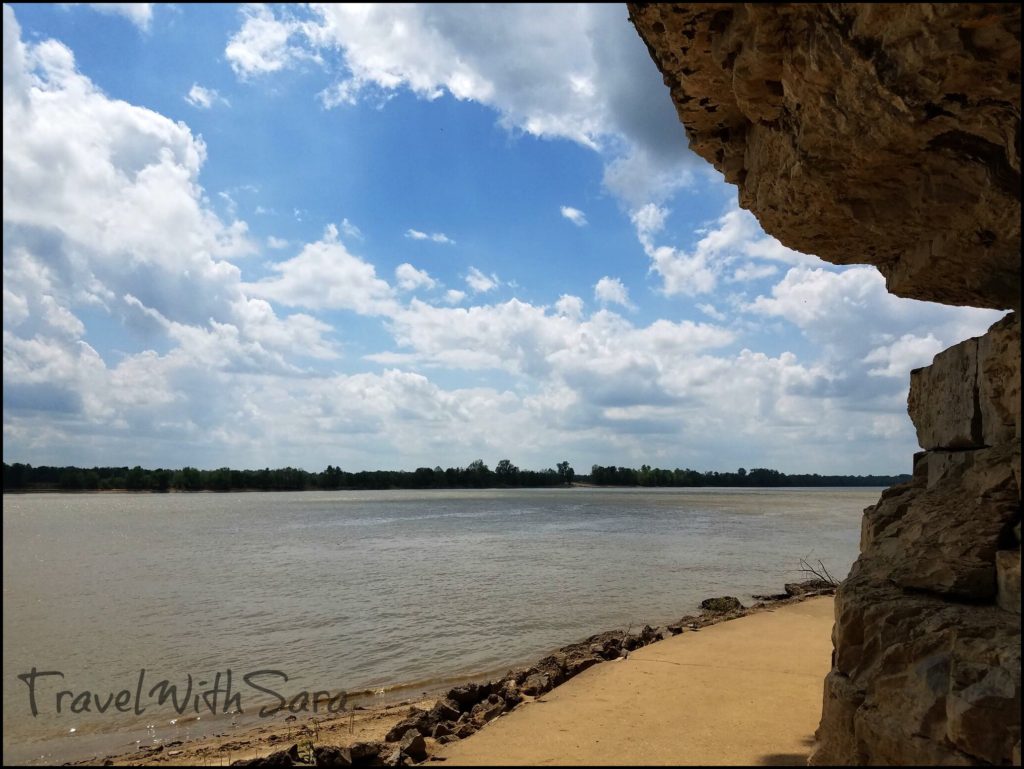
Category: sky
[385,237]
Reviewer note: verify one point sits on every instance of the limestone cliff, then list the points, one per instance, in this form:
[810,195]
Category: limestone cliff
[879,134]
[890,135]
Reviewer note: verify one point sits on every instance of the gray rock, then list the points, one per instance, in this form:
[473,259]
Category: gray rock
[331,756]
[414,746]
[536,684]
[487,710]
[721,605]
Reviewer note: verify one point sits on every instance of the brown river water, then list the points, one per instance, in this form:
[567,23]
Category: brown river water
[381,594]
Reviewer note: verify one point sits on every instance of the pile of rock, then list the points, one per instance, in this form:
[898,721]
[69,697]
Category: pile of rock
[798,591]
[465,709]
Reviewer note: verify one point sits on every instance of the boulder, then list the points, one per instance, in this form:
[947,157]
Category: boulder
[445,710]
[416,724]
[331,756]
[487,710]
[721,605]
[413,746]
[467,695]
[577,663]
[443,729]
[465,729]
[808,587]
[509,692]
[536,684]
[365,753]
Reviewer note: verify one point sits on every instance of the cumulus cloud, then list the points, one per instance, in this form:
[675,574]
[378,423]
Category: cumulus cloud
[612,291]
[906,353]
[576,72]
[142,246]
[204,98]
[570,306]
[410,279]
[326,276]
[480,283]
[214,368]
[575,216]
[868,337]
[437,237]
[736,236]
[849,310]
[712,312]
[266,43]
[276,243]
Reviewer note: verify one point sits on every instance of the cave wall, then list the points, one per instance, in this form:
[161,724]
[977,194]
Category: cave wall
[890,135]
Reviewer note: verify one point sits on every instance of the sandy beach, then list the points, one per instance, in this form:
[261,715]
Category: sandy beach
[744,691]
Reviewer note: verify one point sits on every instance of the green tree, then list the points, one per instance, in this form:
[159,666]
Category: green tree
[507,472]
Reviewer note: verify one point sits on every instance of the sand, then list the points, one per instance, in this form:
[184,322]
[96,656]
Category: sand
[221,750]
[744,692]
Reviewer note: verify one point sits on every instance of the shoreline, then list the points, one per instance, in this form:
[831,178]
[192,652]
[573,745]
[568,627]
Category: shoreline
[573,485]
[410,730]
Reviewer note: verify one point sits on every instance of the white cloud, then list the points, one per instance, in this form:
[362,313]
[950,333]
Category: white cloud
[437,237]
[569,306]
[326,276]
[480,283]
[527,339]
[276,243]
[906,353]
[850,309]
[265,43]
[736,236]
[410,279]
[142,246]
[575,216]
[750,271]
[350,230]
[712,312]
[577,72]
[612,291]
[872,337]
[139,14]
[204,98]
[238,381]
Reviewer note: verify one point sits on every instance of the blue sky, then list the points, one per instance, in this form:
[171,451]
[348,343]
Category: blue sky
[387,237]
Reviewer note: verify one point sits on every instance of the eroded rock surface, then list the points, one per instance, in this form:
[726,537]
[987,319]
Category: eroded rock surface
[927,636]
[884,134]
[890,135]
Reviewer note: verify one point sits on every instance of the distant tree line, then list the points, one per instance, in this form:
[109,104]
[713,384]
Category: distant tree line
[759,476]
[477,475]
